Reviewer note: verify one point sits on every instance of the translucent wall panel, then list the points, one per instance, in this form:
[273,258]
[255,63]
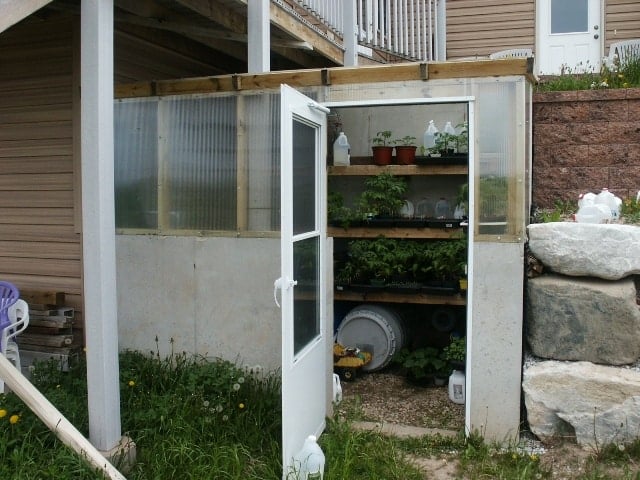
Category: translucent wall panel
[260,147]
[198,162]
[136,163]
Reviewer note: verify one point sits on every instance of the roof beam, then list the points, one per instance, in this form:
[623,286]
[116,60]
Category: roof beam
[15,10]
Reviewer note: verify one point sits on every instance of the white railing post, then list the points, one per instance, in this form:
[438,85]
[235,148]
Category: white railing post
[441,30]
[259,36]
[350,34]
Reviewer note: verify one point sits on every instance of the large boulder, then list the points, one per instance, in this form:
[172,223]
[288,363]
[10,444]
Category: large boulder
[599,404]
[589,319]
[608,251]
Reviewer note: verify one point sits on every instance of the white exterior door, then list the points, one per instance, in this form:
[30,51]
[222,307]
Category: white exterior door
[305,328]
[568,34]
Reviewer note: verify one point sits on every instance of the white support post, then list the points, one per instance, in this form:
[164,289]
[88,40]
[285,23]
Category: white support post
[441,30]
[98,222]
[349,33]
[259,41]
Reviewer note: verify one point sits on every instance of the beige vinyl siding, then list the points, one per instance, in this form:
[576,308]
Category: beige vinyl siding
[40,248]
[481,27]
[622,21]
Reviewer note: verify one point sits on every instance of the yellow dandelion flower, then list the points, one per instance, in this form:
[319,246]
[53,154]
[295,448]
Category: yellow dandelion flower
[241,406]
[514,456]
[132,383]
[3,413]
[13,419]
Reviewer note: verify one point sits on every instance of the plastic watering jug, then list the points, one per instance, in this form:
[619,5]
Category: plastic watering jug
[605,197]
[448,128]
[308,463]
[341,150]
[429,137]
[456,387]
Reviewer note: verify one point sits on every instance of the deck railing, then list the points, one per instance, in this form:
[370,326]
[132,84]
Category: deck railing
[413,29]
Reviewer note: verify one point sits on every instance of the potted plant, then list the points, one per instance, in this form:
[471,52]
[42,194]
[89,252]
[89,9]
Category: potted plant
[382,148]
[455,353]
[383,195]
[420,364]
[371,261]
[338,215]
[406,150]
[444,263]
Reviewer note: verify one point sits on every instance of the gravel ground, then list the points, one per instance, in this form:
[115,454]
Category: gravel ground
[387,397]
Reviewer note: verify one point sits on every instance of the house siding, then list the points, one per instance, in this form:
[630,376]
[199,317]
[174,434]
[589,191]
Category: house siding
[477,28]
[40,243]
[622,21]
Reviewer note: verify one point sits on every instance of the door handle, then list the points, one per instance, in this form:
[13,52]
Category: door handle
[596,36]
[279,284]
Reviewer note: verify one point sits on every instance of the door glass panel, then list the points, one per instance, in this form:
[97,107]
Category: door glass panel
[569,16]
[304,177]
[306,294]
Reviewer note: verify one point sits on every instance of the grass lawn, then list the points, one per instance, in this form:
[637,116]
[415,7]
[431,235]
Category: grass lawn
[196,419]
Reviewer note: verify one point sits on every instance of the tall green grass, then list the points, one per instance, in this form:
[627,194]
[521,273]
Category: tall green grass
[193,418]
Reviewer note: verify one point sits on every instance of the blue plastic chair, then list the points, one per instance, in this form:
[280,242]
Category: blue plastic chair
[9,295]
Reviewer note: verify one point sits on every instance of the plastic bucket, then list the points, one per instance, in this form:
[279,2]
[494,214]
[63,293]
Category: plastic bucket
[375,329]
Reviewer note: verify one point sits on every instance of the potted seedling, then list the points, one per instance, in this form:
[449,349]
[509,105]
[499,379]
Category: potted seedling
[420,364]
[382,148]
[406,150]
[455,353]
[383,196]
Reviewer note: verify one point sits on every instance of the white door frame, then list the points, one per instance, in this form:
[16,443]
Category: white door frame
[306,372]
[470,101]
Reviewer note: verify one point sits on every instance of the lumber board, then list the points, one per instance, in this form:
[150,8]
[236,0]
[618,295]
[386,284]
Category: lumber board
[35,339]
[63,312]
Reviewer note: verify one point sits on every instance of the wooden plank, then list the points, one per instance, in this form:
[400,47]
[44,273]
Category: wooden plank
[393,232]
[398,170]
[418,298]
[48,328]
[42,297]
[53,313]
[34,339]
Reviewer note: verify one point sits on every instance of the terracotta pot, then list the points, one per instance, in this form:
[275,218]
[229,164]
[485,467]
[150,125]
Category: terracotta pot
[406,154]
[382,155]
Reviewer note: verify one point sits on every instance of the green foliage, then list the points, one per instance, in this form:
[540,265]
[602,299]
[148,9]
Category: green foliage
[444,259]
[456,350]
[337,211]
[630,210]
[421,362]
[586,77]
[383,195]
[405,141]
[371,259]
[382,139]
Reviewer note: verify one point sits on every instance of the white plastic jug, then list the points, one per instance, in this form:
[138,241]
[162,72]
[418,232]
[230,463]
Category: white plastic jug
[448,128]
[308,463]
[456,387]
[429,137]
[442,208]
[337,389]
[341,150]
[605,197]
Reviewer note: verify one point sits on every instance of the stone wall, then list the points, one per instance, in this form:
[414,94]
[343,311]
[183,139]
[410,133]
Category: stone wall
[584,141]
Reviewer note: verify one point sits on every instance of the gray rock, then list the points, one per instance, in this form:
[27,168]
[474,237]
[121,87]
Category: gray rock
[599,404]
[608,251]
[588,319]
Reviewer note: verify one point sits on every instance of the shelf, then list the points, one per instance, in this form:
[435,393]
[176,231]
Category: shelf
[399,170]
[418,298]
[366,232]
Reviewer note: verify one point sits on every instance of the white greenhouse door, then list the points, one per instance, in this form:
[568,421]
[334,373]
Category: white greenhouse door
[305,354]
[568,34]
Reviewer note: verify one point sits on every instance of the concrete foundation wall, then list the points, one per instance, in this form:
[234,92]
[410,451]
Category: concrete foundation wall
[212,296]
[494,352]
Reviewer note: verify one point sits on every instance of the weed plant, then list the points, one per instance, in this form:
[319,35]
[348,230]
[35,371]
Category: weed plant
[587,77]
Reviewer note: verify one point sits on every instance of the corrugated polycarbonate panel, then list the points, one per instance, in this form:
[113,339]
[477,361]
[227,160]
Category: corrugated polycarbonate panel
[262,150]
[136,164]
[198,161]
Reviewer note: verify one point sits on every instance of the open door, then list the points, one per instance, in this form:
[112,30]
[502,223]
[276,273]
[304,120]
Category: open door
[302,282]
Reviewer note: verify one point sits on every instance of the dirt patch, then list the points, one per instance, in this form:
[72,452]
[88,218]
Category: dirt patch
[386,397]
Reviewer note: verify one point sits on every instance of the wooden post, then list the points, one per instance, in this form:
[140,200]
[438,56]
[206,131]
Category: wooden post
[54,420]
[98,222]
